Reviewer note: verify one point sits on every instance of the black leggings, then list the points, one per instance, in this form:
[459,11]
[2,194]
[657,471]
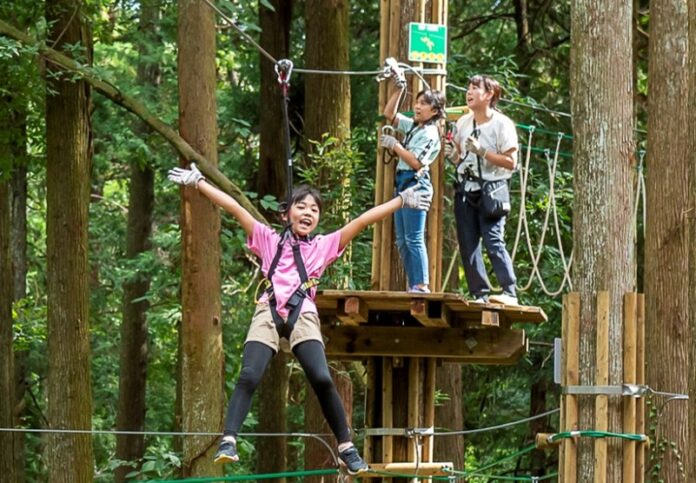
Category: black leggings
[311,356]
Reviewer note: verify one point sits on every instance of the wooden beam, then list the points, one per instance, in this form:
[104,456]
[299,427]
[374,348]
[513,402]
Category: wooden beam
[371,400]
[423,469]
[421,311]
[629,377]
[429,406]
[640,379]
[352,311]
[489,318]
[414,406]
[491,344]
[571,362]
[387,406]
[602,379]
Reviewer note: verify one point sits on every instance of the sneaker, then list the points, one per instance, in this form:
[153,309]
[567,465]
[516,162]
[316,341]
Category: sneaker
[482,299]
[417,289]
[352,460]
[505,299]
[227,452]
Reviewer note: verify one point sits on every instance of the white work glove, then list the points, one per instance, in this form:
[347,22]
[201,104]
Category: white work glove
[388,141]
[186,177]
[474,146]
[416,197]
[399,79]
[450,150]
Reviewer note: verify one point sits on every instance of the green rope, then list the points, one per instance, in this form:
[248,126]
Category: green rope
[262,476]
[597,434]
[518,478]
[476,472]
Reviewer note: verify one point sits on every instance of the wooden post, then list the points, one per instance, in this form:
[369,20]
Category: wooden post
[640,379]
[602,379]
[629,377]
[571,358]
[414,407]
[429,403]
[387,404]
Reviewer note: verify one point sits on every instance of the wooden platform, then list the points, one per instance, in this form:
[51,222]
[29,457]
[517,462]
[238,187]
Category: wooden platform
[359,324]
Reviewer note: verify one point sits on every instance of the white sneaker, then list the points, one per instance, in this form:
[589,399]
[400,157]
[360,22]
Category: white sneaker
[504,299]
[483,299]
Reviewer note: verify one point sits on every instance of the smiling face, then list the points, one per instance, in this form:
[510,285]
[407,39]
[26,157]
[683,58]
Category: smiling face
[304,215]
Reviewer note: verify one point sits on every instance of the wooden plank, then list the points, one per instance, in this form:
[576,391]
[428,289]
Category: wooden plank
[387,405]
[370,405]
[429,406]
[414,398]
[490,318]
[629,377]
[424,469]
[490,344]
[602,379]
[352,311]
[640,379]
[571,338]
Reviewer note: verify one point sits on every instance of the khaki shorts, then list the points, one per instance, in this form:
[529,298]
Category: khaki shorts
[263,329]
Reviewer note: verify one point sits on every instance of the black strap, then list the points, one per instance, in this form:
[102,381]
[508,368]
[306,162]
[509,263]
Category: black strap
[285,327]
[475,134]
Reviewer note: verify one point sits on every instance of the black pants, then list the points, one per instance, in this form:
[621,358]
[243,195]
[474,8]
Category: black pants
[312,358]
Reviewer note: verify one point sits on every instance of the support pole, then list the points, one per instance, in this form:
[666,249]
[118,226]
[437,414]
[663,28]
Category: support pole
[602,379]
[629,377]
[571,362]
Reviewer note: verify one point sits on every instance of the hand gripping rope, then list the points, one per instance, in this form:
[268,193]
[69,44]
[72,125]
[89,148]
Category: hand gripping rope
[284,70]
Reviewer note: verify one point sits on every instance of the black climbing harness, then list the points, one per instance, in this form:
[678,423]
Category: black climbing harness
[294,303]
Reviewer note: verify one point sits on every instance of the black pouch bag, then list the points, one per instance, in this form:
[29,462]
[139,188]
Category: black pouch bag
[495,199]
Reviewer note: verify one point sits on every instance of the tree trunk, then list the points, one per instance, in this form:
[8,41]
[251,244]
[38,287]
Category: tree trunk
[275,35]
[523,41]
[69,164]
[7,380]
[666,239]
[203,361]
[449,415]
[691,455]
[134,327]
[272,397]
[604,171]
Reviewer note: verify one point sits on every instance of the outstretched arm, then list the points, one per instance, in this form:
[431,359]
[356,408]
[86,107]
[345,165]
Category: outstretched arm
[373,215]
[194,178]
[413,197]
[390,108]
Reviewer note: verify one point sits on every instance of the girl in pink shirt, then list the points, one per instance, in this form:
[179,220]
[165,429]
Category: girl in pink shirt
[274,315]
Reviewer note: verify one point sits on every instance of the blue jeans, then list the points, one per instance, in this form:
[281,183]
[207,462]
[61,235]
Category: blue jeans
[472,226]
[409,225]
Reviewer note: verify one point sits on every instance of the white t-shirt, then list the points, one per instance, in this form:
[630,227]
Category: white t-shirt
[498,135]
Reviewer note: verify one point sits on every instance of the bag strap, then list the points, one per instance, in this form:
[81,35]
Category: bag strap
[475,134]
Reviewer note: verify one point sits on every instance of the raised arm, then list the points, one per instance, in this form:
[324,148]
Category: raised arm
[194,178]
[389,111]
[412,197]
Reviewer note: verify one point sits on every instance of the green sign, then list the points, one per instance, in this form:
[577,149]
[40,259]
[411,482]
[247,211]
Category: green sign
[427,42]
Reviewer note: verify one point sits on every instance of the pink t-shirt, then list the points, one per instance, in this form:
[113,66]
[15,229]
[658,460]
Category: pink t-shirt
[317,254]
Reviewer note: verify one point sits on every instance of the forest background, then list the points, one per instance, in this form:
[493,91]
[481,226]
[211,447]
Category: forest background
[525,44]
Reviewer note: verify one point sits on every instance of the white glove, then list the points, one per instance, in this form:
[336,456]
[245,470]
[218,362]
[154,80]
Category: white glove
[450,150]
[389,142]
[186,177]
[474,146]
[399,79]
[417,198]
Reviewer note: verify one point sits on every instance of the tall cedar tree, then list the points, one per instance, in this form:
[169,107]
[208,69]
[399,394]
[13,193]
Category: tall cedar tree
[201,335]
[603,174]
[134,327]
[691,455]
[666,238]
[272,392]
[327,110]
[7,440]
[69,164]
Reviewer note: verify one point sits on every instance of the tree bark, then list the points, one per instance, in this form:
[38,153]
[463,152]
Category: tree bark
[113,93]
[449,415]
[69,164]
[7,379]
[604,165]
[203,363]
[666,239]
[134,327]
[691,455]
[275,39]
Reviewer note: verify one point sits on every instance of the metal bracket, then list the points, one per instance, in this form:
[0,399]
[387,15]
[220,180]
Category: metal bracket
[632,390]
[406,432]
